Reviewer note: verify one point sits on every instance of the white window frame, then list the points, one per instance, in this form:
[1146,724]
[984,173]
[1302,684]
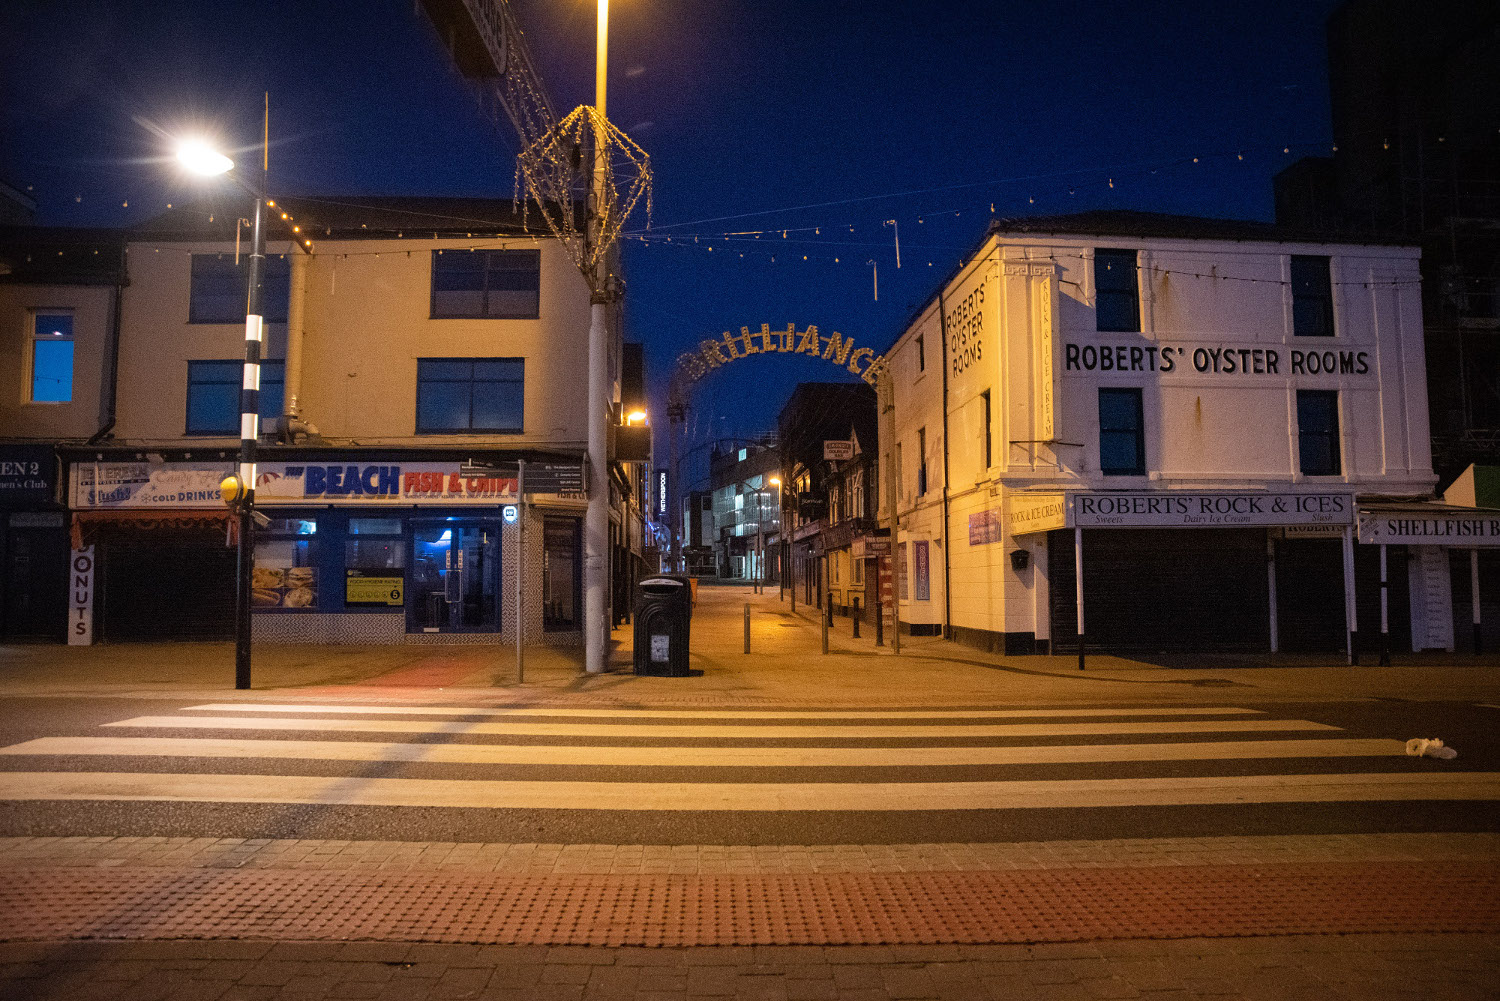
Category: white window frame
[32,338]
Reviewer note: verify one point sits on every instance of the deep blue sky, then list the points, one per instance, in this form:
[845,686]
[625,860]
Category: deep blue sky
[744,108]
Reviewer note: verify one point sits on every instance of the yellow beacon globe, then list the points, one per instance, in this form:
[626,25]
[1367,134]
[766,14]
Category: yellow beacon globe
[229,489]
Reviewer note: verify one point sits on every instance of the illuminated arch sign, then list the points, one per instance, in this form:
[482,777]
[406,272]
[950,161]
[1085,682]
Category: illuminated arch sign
[834,347]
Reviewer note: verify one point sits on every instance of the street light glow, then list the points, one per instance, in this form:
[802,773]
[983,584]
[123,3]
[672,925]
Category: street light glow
[200,158]
[635,415]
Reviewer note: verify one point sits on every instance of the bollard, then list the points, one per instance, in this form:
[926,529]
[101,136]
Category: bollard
[855,614]
[823,620]
[747,627]
[879,623]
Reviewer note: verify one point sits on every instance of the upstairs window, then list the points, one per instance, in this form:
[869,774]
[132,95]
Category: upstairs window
[470,394]
[1318,432]
[1312,297]
[213,395]
[219,289]
[52,357]
[984,402]
[486,284]
[1122,433]
[1117,294]
[921,353]
[921,461]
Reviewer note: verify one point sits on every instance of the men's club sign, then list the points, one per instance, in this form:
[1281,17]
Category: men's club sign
[730,347]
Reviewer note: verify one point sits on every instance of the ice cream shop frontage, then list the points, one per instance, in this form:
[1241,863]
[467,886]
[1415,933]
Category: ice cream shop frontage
[1292,571]
[363,548]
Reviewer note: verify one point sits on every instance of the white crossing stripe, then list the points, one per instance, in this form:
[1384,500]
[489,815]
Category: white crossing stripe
[686,796]
[679,731]
[705,757]
[299,707]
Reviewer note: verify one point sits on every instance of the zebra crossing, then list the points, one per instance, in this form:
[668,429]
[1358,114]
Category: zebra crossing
[673,761]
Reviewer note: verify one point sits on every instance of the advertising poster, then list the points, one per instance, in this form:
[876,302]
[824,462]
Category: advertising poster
[283,587]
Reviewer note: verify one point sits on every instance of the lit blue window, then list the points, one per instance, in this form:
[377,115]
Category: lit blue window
[220,288]
[470,394]
[52,358]
[213,396]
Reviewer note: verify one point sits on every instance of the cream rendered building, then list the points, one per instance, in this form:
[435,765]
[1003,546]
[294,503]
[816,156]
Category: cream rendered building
[1203,407]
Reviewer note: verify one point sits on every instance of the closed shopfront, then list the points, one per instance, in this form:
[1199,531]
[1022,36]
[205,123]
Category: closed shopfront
[1163,589]
[33,546]
[159,582]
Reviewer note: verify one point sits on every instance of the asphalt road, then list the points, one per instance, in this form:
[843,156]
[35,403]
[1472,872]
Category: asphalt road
[1148,762]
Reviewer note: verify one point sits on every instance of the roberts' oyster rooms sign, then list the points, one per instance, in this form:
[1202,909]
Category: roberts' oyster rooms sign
[1217,509]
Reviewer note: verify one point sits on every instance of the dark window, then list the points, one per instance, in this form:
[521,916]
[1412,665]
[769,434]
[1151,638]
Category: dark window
[487,284]
[1318,431]
[921,461]
[1312,297]
[1122,433]
[1116,292]
[470,394]
[213,395]
[220,289]
[921,354]
[989,454]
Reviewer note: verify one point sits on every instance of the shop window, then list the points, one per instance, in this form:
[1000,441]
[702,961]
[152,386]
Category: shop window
[1312,297]
[374,526]
[1117,298]
[1318,432]
[213,395]
[859,572]
[374,567]
[561,579]
[219,288]
[470,394]
[285,574]
[52,357]
[486,284]
[1122,433]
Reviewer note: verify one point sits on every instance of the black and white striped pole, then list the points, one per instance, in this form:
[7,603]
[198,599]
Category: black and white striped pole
[249,434]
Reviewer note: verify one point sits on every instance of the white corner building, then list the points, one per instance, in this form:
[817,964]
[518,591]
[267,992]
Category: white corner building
[1214,415]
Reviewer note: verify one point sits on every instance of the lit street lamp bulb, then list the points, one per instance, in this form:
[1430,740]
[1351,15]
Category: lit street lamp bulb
[199,158]
[635,415]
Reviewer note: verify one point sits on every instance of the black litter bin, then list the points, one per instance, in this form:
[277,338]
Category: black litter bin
[663,612]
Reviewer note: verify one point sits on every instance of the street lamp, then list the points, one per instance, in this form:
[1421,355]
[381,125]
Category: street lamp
[201,159]
[775,481]
[634,417]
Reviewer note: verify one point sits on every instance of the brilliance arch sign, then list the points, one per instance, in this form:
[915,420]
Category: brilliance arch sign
[731,347]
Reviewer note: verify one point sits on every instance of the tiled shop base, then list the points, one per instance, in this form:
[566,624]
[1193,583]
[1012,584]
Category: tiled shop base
[1038,905]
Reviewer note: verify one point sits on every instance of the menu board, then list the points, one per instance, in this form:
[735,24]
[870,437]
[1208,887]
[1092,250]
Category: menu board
[284,587]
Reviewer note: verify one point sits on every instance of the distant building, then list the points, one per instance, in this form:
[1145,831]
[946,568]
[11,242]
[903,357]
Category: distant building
[829,504]
[745,516]
[1415,92]
[1228,419]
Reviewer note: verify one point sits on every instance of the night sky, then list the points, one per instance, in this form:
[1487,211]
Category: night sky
[758,116]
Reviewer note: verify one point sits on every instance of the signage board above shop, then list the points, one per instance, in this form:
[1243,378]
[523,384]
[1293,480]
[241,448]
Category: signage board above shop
[282,484]
[27,475]
[838,451]
[1410,526]
[1217,509]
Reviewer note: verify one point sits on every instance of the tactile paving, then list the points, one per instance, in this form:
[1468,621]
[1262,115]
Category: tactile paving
[868,908]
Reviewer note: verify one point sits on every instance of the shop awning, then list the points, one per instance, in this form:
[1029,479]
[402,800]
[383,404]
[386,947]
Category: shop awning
[86,524]
[1429,523]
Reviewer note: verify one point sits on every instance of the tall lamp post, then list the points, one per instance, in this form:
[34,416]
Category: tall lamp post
[775,481]
[596,518]
[200,159]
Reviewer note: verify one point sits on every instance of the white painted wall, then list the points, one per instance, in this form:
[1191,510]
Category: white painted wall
[1023,299]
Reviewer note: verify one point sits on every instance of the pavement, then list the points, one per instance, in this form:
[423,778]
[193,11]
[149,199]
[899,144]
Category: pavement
[412,823]
[785,667]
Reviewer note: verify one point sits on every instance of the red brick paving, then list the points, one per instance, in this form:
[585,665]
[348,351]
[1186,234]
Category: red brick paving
[872,908]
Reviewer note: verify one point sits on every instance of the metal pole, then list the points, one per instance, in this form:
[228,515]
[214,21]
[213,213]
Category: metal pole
[855,613]
[1078,587]
[879,612]
[1385,625]
[1271,589]
[249,433]
[747,627]
[520,565]
[1351,611]
[596,522]
[791,585]
[1474,600]
[888,383]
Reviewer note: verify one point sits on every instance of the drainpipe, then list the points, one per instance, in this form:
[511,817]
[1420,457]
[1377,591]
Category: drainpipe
[291,404]
[947,561]
[111,383]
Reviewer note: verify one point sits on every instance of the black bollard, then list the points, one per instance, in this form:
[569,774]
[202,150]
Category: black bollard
[855,615]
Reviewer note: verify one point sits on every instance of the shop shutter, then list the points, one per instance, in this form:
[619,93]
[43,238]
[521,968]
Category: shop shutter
[1151,590]
[167,584]
[1310,596]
